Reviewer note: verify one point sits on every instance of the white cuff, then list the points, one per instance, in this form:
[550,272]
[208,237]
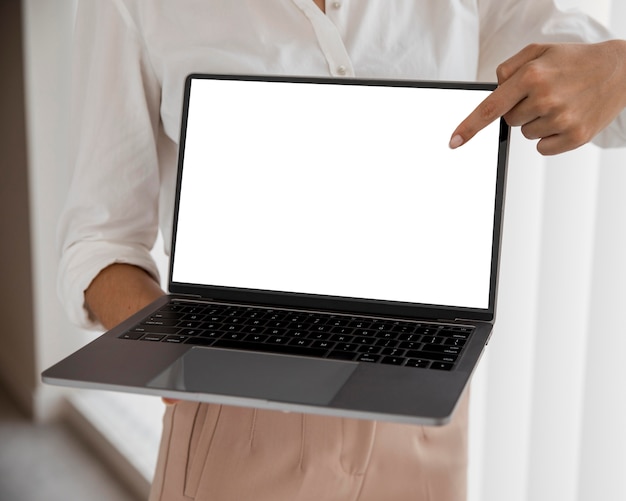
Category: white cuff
[82,262]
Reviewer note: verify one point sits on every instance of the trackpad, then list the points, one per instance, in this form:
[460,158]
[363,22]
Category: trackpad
[256,375]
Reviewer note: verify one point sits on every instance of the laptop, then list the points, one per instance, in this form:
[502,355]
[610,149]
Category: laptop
[330,253]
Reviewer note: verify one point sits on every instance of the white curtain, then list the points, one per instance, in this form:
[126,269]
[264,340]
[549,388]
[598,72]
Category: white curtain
[548,401]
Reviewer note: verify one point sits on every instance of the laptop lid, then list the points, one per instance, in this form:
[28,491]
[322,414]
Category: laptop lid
[338,195]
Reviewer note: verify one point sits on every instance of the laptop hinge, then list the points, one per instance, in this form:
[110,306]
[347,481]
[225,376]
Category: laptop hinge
[176,295]
[471,320]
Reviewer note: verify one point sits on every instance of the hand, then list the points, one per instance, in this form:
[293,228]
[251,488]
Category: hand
[561,94]
[170,401]
[117,292]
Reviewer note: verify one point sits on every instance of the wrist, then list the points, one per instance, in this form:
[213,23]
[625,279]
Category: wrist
[119,291]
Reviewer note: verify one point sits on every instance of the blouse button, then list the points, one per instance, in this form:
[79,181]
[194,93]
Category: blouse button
[336,5]
[341,70]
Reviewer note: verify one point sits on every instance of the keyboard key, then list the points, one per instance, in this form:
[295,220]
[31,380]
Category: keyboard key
[340,338]
[191,332]
[230,320]
[393,352]
[152,337]
[320,328]
[432,340]
[196,317]
[232,327]
[342,330]
[189,324]
[338,322]
[382,326]
[276,332]
[410,345]
[436,348]
[212,326]
[442,366]
[320,336]
[318,320]
[393,360]
[341,355]
[387,343]
[166,314]
[255,338]
[211,334]
[193,309]
[458,333]
[297,333]
[252,329]
[359,324]
[278,339]
[427,331]
[293,318]
[412,338]
[132,335]
[234,336]
[323,344]
[352,347]
[453,341]
[364,348]
[365,357]
[441,357]
[156,329]
[364,340]
[387,335]
[404,328]
[277,324]
[300,342]
[175,339]
[200,341]
[418,362]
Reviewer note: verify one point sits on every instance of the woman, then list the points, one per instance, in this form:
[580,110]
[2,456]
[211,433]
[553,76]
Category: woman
[131,59]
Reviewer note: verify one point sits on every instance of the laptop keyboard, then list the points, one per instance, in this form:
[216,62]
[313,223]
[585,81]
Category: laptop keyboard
[333,336]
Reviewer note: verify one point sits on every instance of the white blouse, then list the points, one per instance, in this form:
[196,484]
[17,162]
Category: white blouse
[132,56]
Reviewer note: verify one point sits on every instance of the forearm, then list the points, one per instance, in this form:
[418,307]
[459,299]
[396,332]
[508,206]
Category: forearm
[118,291]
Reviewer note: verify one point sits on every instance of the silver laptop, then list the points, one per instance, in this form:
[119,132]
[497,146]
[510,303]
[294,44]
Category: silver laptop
[330,255]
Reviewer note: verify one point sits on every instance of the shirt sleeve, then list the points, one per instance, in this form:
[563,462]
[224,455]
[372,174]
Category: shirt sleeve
[111,212]
[507,26]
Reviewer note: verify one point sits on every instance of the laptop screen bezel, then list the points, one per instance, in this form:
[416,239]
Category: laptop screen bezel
[394,309]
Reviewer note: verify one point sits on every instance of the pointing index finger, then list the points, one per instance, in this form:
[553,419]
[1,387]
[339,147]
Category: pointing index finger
[498,103]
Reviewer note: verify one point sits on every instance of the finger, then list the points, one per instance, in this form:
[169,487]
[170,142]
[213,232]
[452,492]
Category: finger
[553,145]
[559,143]
[502,100]
[513,64]
[498,103]
[539,128]
[522,113]
[170,401]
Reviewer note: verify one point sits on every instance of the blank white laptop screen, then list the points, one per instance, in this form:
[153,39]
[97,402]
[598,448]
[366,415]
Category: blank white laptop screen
[340,190]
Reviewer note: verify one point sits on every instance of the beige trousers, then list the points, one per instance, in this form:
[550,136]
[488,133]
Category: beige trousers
[222,453]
